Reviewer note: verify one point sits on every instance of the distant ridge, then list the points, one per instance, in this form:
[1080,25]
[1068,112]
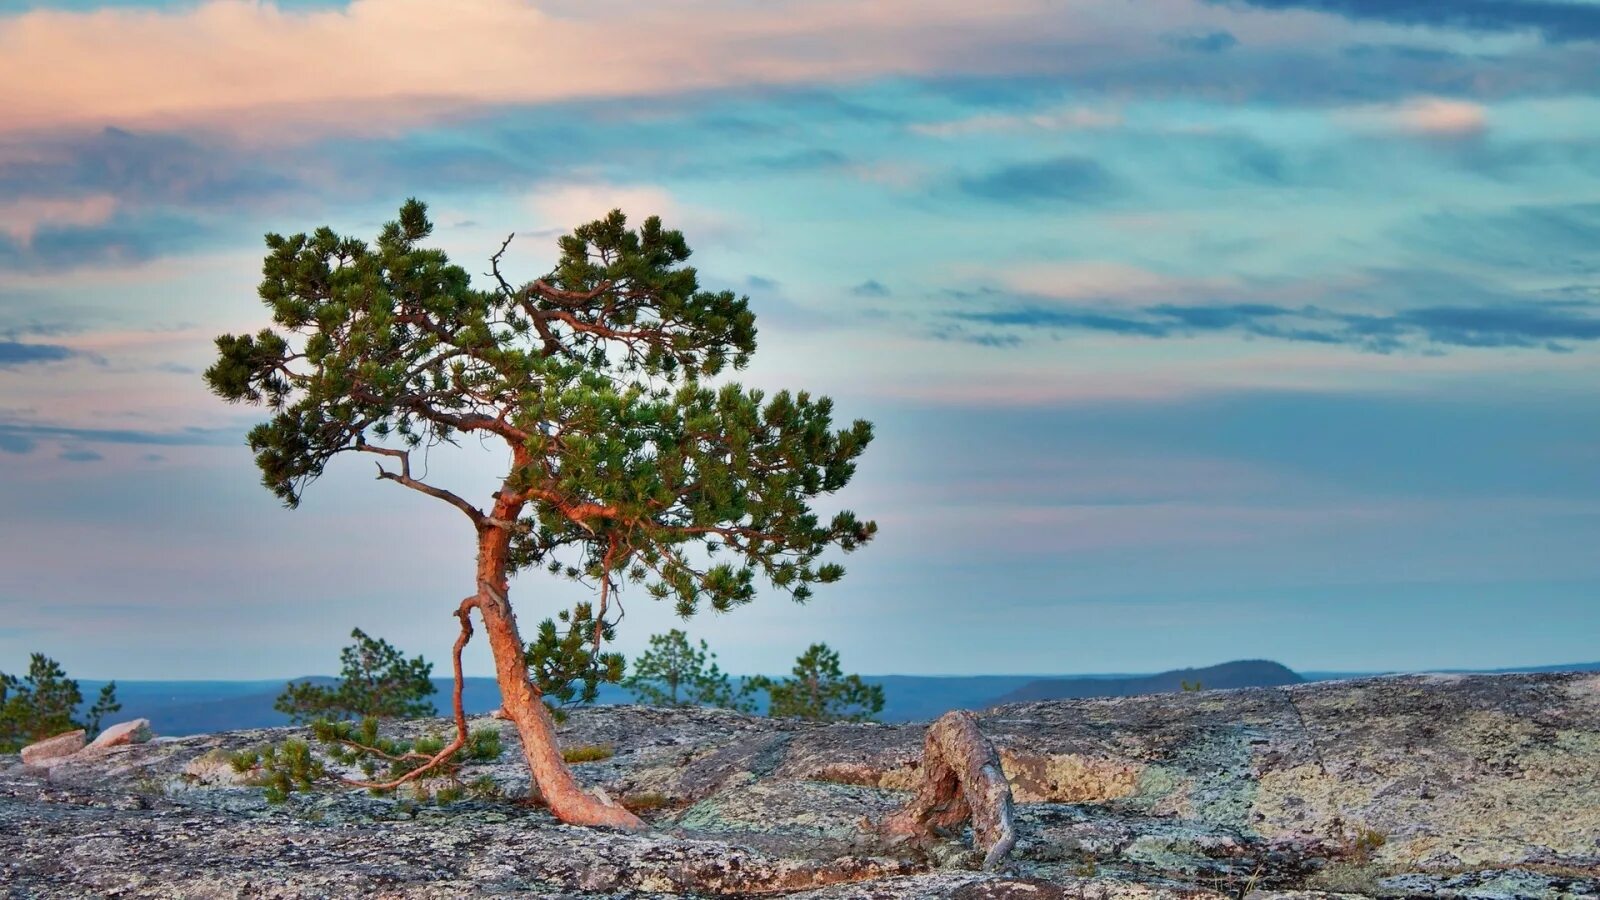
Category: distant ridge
[200,707]
[1237,674]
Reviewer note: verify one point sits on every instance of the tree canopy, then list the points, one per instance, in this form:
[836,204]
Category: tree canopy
[44,703]
[592,374]
[820,691]
[675,672]
[376,680]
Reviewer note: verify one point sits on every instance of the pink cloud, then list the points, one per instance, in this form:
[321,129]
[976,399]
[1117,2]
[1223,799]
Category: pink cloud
[245,66]
[1436,117]
[21,219]
[557,206]
[1069,119]
[1104,280]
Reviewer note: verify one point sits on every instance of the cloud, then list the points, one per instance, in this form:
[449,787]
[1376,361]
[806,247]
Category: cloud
[127,238]
[1070,119]
[16,444]
[1063,179]
[1545,325]
[1423,116]
[377,65]
[80,455]
[279,74]
[18,433]
[1104,281]
[21,218]
[1524,325]
[1555,21]
[16,353]
[1539,238]
[117,197]
[562,206]
[870,288]
[1202,42]
[132,167]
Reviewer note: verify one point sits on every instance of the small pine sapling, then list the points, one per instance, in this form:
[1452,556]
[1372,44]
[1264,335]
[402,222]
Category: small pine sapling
[819,690]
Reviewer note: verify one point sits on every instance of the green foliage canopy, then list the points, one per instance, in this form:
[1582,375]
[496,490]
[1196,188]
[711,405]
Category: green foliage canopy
[820,691]
[44,703]
[674,672]
[624,464]
[565,662]
[376,680]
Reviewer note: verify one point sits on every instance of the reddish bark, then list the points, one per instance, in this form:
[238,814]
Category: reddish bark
[961,780]
[520,701]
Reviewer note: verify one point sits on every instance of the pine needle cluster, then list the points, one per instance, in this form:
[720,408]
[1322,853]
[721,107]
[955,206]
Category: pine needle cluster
[819,691]
[44,703]
[375,680]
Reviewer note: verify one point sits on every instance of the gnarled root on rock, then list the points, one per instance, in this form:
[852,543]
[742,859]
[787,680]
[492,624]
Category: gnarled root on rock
[961,780]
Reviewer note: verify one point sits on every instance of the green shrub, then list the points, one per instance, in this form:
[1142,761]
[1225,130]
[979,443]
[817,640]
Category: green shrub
[44,703]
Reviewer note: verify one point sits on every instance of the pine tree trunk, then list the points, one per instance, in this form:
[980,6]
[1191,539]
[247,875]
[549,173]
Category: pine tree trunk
[520,701]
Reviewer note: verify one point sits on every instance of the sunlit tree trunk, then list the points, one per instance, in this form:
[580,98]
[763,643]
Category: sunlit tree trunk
[521,702]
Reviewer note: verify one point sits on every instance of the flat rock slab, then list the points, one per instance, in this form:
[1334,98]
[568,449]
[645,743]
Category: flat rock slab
[122,733]
[1471,787]
[41,753]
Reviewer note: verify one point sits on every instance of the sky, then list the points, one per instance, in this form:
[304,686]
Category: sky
[1190,330]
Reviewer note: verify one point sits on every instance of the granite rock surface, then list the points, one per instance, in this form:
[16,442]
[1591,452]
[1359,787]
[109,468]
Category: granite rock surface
[1416,786]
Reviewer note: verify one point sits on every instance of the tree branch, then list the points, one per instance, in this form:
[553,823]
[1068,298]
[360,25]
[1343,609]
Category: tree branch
[464,613]
[567,298]
[404,477]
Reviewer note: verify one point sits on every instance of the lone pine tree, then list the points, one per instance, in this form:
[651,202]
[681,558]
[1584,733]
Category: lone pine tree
[674,672]
[820,691]
[376,680]
[624,465]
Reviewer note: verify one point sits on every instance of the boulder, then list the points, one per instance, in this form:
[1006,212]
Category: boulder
[51,750]
[134,732]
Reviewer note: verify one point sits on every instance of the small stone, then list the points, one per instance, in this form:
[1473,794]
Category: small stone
[134,732]
[51,750]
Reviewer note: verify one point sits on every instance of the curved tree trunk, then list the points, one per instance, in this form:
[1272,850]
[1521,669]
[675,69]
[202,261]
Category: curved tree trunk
[521,702]
[961,780]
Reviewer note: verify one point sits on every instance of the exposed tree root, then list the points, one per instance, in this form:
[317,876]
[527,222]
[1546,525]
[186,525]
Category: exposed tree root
[961,780]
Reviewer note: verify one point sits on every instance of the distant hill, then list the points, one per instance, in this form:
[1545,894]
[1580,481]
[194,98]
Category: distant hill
[1237,674]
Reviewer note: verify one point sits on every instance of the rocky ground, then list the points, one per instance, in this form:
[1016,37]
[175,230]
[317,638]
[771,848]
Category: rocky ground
[1427,786]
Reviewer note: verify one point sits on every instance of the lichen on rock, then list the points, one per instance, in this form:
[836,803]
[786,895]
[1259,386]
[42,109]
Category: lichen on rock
[1478,786]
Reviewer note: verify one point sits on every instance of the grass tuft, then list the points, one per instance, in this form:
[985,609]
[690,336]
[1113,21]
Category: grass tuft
[588,753]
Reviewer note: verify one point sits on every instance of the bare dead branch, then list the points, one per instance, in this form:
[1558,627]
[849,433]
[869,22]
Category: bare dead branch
[494,265]
[605,592]
[404,477]
[464,613]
